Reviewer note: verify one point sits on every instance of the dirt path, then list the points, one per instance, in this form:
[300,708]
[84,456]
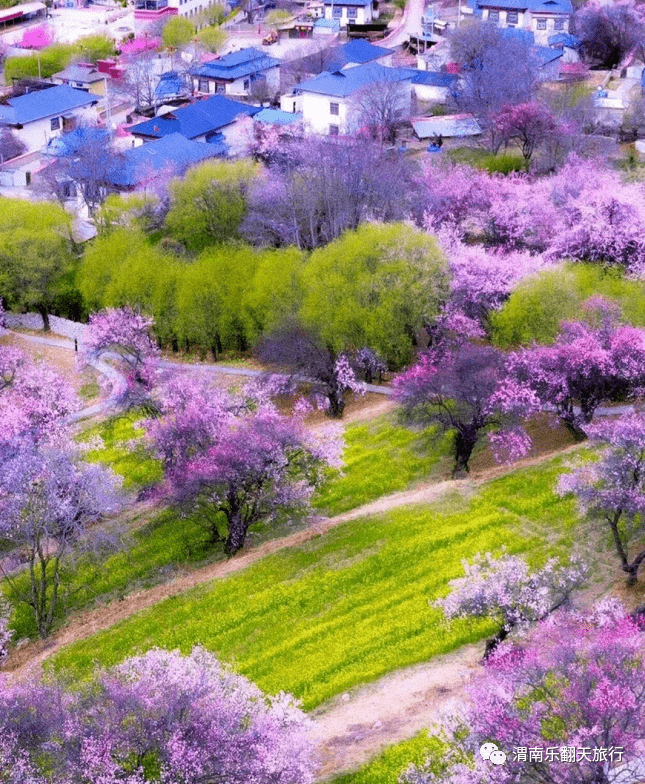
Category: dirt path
[354,727]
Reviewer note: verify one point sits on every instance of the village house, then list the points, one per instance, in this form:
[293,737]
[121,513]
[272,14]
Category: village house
[217,120]
[237,72]
[40,115]
[329,101]
[149,11]
[351,12]
[543,18]
[83,76]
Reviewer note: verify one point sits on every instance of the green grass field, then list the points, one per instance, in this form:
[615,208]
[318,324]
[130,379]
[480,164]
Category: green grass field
[395,760]
[380,458]
[349,606]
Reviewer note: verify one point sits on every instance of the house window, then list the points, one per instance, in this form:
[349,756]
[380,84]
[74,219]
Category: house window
[202,86]
[337,12]
[541,24]
[220,87]
[352,12]
[334,130]
[55,124]
[247,84]
[493,16]
[511,17]
[558,24]
[333,109]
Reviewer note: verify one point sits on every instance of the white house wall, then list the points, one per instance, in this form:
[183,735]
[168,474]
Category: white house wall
[363,15]
[37,134]
[316,113]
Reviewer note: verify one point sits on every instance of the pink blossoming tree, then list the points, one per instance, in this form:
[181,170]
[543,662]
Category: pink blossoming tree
[160,717]
[237,461]
[611,491]
[48,505]
[587,365]
[505,590]
[125,335]
[527,124]
[467,391]
[574,691]
[34,399]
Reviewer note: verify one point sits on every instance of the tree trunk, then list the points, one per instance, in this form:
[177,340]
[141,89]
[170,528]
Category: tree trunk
[336,403]
[237,529]
[464,444]
[45,315]
[493,642]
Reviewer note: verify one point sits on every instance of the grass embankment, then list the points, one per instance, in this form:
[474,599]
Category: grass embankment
[380,458]
[353,605]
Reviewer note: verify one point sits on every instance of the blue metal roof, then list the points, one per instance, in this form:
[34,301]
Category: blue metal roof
[173,151]
[545,54]
[432,78]
[349,2]
[333,24]
[517,33]
[535,6]
[351,80]
[199,118]
[44,103]
[277,117]
[564,39]
[236,65]
[70,143]
[170,83]
[357,51]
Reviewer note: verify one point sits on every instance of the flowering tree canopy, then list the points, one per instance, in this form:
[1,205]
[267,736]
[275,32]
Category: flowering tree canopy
[612,490]
[160,717]
[467,391]
[34,399]
[295,348]
[47,503]
[527,124]
[587,365]
[238,461]
[574,690]
[123,332]
[504,589]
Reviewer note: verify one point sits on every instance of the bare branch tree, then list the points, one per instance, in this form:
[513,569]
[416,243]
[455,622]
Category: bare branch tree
[381,107]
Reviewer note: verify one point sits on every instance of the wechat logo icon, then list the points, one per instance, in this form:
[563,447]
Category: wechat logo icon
[490,752]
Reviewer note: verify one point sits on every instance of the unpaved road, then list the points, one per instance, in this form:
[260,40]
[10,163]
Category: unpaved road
[354,727]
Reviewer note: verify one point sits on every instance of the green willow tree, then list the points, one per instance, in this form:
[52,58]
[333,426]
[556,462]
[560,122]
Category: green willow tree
[376,286]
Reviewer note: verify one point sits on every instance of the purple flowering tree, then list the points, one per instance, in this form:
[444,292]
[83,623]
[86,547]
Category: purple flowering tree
[611,491]
[590,363]
[34,399]
[48,505]
[467,391]
[574,691]
[299,351]
[126,335]
[238,461]
[370,364]
[160,717]
[505,590]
